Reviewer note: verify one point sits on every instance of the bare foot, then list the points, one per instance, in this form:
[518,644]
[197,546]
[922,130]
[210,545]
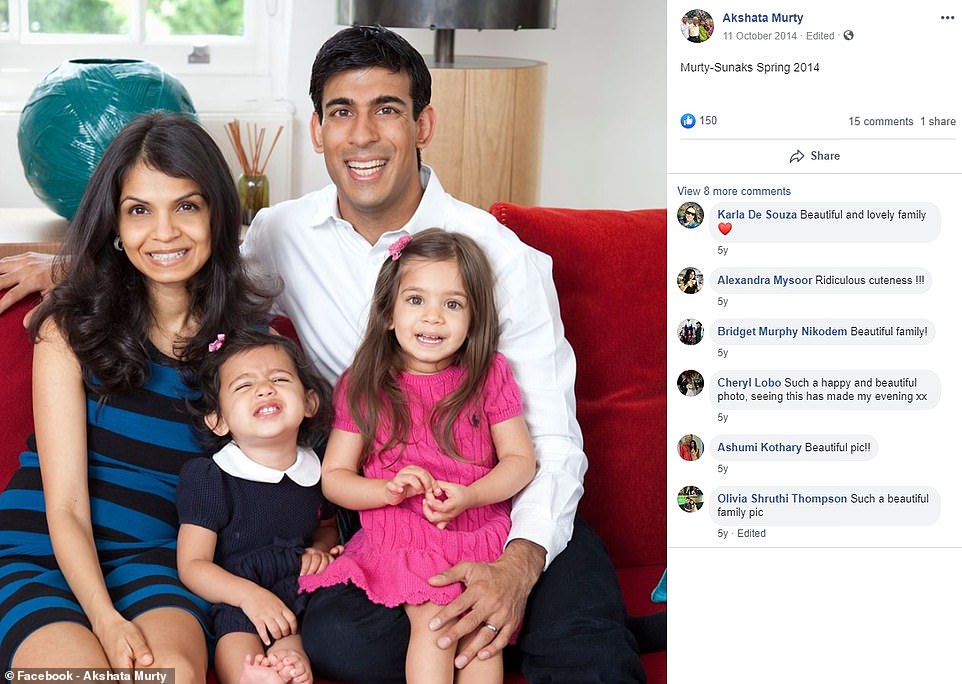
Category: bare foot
[262,669]
[293,666]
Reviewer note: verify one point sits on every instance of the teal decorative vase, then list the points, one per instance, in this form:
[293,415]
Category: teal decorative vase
[75,112]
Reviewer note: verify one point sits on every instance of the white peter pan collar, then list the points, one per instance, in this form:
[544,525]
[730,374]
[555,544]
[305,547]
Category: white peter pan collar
[306,470]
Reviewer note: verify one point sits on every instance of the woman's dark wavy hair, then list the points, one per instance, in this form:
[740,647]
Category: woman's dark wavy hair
[101,303]
[372,391]
[312,429]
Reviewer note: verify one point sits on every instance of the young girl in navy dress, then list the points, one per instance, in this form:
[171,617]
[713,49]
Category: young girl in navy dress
[431,414]
[253,518]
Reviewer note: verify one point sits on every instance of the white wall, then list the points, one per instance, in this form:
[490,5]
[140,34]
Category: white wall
[604,144]
[604,141]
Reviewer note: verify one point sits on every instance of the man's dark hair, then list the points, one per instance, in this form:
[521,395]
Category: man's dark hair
[364,47]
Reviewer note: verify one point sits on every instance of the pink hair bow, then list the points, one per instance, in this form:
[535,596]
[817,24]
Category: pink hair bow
[398,247]
[217,343]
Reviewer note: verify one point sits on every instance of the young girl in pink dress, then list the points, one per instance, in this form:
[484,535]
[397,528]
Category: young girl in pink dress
[430,413]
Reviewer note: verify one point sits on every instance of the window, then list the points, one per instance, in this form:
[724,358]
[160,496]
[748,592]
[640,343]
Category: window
[185,37]
[160,18]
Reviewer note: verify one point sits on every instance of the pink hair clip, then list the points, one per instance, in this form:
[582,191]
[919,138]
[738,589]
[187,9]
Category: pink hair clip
[217,343]
[398,247]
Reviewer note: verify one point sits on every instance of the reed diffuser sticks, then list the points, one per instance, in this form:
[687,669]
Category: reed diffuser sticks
[252,164]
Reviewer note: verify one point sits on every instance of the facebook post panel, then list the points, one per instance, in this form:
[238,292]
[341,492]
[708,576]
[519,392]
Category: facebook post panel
[814,413]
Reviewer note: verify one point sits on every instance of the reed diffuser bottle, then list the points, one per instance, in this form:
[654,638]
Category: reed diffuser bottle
[253,186]
[254,192]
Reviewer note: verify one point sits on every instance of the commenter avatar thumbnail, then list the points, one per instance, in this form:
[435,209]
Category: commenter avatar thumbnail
[690,498]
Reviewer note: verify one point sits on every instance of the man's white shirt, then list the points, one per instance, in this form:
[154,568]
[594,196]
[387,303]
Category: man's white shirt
[329,271]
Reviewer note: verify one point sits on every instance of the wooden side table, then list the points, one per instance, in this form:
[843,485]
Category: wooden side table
[489,135]
[30,230]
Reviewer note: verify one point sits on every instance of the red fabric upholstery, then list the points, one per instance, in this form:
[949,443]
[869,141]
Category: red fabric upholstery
[609,269]
[16,420]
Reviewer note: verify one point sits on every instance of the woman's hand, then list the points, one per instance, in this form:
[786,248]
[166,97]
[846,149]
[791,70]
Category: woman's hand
[270,616]
[124,644]
[410,481]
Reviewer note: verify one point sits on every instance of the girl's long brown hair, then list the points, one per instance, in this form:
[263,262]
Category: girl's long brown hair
[372,391]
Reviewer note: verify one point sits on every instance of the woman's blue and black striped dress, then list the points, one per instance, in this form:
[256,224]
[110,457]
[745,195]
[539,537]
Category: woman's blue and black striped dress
[137,444]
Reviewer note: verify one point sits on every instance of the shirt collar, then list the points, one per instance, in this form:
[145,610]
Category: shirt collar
[430,211]
[306,470]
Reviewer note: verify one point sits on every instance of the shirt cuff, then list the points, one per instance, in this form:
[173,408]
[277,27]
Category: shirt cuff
[537,527]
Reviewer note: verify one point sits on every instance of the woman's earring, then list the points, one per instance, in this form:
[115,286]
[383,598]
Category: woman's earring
[118,245]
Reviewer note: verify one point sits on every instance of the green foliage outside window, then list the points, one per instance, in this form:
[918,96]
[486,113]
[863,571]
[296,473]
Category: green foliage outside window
[76,16]
[108,17]
[209,17]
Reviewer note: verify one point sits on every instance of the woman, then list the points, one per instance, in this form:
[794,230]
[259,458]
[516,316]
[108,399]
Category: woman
[689,283]
[153,275]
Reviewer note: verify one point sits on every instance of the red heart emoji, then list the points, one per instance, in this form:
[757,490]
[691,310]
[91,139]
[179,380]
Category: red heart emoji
[725,228]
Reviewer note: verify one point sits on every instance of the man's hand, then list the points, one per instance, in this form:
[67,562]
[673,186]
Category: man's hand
[22,275]
[494,594]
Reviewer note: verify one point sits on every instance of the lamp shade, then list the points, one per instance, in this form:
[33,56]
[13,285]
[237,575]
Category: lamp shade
[449,14]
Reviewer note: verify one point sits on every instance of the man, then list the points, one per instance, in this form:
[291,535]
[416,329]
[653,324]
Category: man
[371,92]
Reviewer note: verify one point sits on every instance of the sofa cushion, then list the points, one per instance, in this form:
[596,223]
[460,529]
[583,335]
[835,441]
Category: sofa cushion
[615,324]
[16,420]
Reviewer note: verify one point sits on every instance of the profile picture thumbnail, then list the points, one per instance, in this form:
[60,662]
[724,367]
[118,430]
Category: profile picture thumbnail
[697,26]
[690,280]
[691,383]
[690,331]
[690,447]
[690,214]
[690,498]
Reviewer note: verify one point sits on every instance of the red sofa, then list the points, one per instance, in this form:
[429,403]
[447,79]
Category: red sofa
[609,269]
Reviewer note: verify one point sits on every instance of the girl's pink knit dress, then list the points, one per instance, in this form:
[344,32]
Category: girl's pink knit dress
[397,549]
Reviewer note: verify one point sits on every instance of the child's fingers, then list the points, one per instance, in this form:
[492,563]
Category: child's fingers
[282,625]
[412,481]
[290,621]
[310,564]
[448,504]
[263,633]
[423,477]
[439,518]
